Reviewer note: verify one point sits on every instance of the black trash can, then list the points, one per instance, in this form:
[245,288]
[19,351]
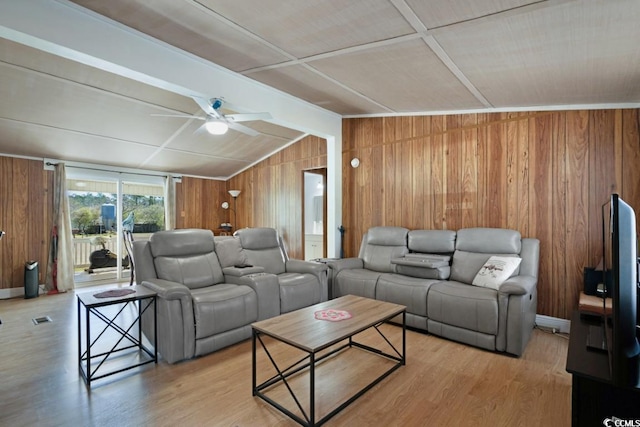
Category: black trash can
[31,279]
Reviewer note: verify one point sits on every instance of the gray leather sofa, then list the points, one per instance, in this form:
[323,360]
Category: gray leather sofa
[432,271]
[207,296]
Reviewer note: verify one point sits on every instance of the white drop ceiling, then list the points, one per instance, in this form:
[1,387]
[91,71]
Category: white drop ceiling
[321,60]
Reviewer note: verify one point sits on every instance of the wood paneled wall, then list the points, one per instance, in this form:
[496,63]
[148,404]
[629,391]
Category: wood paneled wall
[198,203]
[272,191]
[545,174]
[25,215]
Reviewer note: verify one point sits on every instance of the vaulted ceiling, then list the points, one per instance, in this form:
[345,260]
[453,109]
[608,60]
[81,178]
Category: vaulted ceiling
[334,58]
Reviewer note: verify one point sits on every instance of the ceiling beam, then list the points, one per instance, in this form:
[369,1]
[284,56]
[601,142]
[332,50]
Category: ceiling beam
[65,29]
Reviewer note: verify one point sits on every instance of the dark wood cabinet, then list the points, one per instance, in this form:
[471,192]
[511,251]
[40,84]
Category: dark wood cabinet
[594,398]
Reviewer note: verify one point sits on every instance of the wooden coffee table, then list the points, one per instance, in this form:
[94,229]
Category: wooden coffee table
[307,330]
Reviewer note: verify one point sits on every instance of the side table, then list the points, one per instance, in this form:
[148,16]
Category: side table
[98,355]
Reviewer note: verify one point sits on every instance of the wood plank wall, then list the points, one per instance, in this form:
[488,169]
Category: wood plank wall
[272,191]
[198,203]
[545,174]
[25,215]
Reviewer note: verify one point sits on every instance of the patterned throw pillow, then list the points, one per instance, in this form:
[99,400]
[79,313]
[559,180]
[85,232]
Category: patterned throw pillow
[495,271]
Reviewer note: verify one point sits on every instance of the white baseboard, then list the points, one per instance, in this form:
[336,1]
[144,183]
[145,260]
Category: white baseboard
[18,292]
[561,325]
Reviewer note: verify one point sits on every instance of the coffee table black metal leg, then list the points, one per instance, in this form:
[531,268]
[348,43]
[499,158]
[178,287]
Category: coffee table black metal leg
[312,391]
[253,362]
[155,328]
[404,338]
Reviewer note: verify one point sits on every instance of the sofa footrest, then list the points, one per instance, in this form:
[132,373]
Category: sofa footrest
[462,335]
[464,306]
[408,291]
[223,307]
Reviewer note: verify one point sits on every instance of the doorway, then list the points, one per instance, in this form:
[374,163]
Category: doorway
[315,213]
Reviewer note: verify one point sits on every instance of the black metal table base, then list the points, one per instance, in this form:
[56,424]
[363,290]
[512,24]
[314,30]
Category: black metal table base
[126,334]
[309,362]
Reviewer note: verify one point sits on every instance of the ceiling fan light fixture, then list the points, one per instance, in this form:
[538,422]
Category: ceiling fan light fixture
[216,126]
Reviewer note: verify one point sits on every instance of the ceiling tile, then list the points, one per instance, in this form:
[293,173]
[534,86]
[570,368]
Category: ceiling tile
[44,100]
[305,28]
[311,86]
[24,139]
[191,27]
[439,13]
[583,52]
[405,77]
[196,164]
[37,62]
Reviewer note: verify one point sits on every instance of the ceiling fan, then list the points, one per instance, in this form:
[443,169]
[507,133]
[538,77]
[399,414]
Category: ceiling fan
[217,123]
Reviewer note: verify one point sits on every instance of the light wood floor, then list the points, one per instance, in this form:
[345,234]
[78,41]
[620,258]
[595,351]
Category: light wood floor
[443,384]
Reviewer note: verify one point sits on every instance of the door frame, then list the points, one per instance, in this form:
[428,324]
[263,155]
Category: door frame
[323,172]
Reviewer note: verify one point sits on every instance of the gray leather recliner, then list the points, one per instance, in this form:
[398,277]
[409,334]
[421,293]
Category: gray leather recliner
[301,283]
[198,310]
[500,320]
[359,276]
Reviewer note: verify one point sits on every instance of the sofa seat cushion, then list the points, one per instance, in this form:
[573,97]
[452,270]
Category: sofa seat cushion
[465,306]
[298,290]
[222,308]
[408,291]
[356,281]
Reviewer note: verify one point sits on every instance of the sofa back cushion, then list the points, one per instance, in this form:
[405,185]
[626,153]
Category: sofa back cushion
[489,240]
[432,241]
[382,244]
[262,248]
[229,251]
[186,256]
[474,246]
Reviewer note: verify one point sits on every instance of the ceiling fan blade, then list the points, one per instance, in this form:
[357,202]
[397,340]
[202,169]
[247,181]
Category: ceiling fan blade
[206,106]
[182,116]
[241,128]
[247,117]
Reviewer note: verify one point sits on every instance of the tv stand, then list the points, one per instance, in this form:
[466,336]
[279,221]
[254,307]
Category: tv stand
[596,338]
[593,397]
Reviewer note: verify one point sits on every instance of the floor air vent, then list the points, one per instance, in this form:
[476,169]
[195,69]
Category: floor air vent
[44,319]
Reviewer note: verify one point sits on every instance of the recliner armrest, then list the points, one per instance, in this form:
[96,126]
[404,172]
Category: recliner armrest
[345,264]
[518,285]
[317,269]
[300,266]
[175,320]
[266,287]
[167,290]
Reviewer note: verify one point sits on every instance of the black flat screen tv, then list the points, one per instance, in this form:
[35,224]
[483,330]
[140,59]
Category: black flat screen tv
[621,261]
